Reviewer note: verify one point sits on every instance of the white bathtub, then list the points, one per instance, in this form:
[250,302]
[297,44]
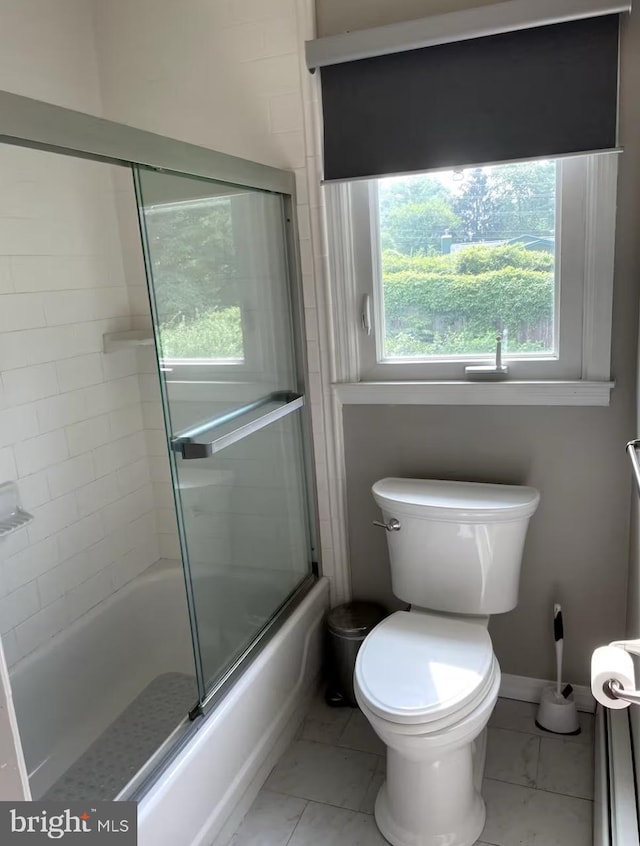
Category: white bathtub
[207,788]
[68,692]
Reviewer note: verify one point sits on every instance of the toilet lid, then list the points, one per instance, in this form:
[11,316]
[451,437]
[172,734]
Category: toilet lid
[417,667]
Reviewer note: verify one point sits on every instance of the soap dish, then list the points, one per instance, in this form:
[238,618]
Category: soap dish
[12,515]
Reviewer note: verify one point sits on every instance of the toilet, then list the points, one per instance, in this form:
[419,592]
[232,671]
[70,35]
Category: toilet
[427,679]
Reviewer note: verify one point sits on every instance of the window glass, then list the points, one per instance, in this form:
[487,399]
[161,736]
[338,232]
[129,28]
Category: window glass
[464,257]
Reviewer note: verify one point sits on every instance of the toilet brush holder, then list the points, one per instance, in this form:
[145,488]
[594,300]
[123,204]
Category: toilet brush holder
[557,713]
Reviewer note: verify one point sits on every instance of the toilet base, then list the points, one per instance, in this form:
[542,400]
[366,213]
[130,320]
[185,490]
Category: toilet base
[467,831]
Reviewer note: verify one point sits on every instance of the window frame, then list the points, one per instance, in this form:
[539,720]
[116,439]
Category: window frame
[584,277]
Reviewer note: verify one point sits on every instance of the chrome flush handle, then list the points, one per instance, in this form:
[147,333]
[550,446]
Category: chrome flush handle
[392,526]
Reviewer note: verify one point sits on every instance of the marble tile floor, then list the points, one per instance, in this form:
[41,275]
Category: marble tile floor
[538,787]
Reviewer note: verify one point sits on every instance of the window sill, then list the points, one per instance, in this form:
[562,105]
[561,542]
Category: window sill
[474,393]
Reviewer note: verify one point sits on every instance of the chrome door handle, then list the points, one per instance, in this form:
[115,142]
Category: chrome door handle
[392,526]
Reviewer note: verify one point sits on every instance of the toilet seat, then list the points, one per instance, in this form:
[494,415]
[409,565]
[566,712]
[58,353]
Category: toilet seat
[417,668]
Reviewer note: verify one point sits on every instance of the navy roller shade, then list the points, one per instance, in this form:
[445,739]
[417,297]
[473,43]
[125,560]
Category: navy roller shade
[535,93]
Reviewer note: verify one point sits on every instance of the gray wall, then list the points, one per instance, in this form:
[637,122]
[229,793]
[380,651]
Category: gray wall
[577,547]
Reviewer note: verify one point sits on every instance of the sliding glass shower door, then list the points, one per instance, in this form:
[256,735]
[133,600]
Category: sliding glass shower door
[218,266]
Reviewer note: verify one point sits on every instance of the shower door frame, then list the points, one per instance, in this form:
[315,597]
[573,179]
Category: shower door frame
[35,124]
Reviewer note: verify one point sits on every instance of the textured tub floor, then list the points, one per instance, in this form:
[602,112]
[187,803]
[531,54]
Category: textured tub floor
[117,755]
[538,787]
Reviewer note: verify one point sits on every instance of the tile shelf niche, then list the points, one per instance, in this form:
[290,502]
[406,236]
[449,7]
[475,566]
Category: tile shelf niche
[116,341]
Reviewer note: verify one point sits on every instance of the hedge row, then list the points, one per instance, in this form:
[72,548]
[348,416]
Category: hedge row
[433,303]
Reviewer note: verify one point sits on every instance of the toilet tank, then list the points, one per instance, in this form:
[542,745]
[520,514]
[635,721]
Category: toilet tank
[459,545]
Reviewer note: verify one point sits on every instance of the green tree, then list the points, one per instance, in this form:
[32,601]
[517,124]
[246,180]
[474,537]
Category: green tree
[525,199]
[418,227]
[476,207]
[193,258]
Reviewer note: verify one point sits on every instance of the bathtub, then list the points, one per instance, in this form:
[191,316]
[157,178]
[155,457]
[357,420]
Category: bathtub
[204,793]
[69,691]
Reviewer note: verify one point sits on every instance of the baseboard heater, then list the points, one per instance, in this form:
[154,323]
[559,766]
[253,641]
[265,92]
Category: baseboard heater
[615,814]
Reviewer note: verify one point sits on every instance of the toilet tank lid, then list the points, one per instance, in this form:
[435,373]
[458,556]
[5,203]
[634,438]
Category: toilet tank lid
[443,500]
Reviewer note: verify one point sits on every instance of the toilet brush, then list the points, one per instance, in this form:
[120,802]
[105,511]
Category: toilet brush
[557,712]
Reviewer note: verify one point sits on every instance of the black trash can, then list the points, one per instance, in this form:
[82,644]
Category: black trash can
[347,627]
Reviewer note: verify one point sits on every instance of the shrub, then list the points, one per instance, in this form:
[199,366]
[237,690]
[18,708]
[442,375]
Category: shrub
[458,302]
[214,334]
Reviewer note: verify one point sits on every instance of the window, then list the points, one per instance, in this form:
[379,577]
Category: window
[445,263]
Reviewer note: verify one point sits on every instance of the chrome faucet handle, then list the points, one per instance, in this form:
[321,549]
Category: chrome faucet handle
[392,526]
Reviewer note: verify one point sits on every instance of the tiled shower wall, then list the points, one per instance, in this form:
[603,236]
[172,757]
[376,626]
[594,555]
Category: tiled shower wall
[72,419]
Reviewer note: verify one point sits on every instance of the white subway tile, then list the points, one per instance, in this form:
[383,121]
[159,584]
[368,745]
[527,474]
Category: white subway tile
[88,434]
[110,302]
[70,475]
[138,533]
[157,443]
[76,570]
[52,517]
[115,365]
[245,41]
[21,311]
[62,307]
[28,384]
[163,496]
[40,452]
[27,565]
[126,421]
[152,415]
[97,495]
[80,372]
[255,10]
[159,469]
[149,387]
[6,279]
[10,649]
[133,564]
[169,545]
[87,595]
[18,606]
[81,535]
[20,349]
[133,476]
[51,585]
[17,424]
[127,509]
[281,35]
[60,411]
[117,454]
[8,470]
[34,490]
[139,300]
[285,115]
[58,273]
[113,394]
[274,75]
[42,626]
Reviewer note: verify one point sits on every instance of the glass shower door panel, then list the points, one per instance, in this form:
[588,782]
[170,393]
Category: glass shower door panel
[219,279]
[246,535]
[218,262]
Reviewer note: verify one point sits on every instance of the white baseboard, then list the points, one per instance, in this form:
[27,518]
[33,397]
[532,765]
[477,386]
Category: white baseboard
[526,689]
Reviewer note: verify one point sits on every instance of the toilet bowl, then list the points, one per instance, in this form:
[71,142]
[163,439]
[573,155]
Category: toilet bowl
[427,679]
